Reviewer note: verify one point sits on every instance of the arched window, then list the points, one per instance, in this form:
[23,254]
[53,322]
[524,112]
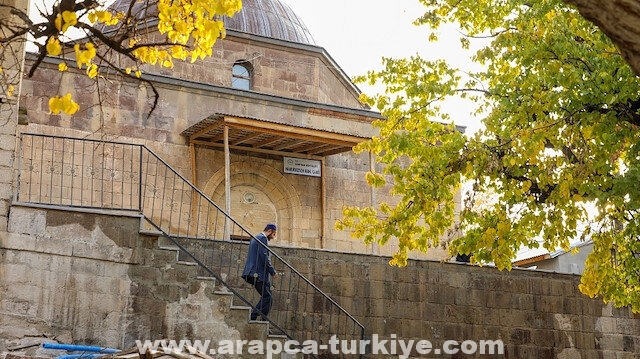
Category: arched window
[241,76]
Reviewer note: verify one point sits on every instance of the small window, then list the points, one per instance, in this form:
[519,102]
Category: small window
[241,78]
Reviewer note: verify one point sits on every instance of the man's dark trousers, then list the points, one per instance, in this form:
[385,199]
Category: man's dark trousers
[264,305]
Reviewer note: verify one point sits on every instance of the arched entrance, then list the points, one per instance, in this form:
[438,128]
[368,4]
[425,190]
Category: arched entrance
[260,194]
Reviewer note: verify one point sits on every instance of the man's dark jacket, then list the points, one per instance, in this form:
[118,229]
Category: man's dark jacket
[258,261]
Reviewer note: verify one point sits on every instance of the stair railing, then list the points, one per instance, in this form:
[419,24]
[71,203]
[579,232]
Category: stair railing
[109,175]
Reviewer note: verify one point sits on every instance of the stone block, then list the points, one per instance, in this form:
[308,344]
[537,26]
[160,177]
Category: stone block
[22,299]
[627,326]
[491,317]
[6,158]
[591,307]
[605,325]
[499,299]
[611,342]
[538,320]
[520,336]
[17,241]
[543,338]
[432,312]
[631,344]
[3,223]
[27,221]
[7,175]
[588,324]
[585,340]
[549,304]
[8,142]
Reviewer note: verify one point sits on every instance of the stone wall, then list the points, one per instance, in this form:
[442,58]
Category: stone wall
[536,314]
[11,56]
[280,68]
[93,279]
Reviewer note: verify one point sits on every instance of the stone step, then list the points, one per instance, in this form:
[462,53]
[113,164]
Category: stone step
[166,243]
[236,316]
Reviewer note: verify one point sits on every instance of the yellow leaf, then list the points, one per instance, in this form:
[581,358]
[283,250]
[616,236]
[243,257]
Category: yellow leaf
[58,22]
[70,19]
[53,46]
[503,228]
[92,71]
[64,104]
[62,67]
[84,57]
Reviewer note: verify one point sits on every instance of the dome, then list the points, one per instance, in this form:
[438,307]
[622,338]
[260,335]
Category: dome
[268,18]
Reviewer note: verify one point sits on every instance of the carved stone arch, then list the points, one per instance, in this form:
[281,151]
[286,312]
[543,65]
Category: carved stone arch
[274,198]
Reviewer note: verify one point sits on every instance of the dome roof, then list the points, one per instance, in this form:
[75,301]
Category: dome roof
[268,18]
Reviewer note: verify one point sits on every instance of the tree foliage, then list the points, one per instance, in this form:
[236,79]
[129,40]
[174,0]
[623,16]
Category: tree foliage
[119,41]
[558,153]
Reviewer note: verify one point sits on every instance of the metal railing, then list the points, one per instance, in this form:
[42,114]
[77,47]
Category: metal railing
[85,173]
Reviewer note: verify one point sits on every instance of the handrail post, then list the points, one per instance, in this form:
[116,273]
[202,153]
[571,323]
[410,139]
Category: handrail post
[140,181]
[16,195]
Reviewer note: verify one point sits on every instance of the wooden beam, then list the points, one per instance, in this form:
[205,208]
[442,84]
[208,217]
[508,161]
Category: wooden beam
[259,150]
[289,144]
[247,138]
[219,137]
[194,180]
[322,147]
[295,132]
[268,142]
[323,204]
[372,193]
[227,184]
[207,129]
[304,146]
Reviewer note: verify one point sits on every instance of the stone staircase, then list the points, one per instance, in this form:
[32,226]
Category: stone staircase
[235,315]
[94,278]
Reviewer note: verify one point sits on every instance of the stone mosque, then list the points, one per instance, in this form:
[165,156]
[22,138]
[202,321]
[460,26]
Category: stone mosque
[287,107]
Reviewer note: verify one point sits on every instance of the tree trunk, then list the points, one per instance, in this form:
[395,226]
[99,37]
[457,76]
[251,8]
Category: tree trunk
[620,20]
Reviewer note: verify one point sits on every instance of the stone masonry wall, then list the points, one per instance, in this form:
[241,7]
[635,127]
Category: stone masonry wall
[288,71]
[10,62]
[92,279]
[536,314]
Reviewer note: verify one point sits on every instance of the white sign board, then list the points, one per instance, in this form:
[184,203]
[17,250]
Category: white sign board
[301,166]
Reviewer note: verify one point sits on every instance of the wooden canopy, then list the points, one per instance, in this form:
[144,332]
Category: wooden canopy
[269,137]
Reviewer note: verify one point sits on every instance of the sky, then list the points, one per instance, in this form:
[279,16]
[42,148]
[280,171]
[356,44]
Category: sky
[358,33]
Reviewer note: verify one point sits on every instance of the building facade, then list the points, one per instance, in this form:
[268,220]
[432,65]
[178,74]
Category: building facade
[243,126]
